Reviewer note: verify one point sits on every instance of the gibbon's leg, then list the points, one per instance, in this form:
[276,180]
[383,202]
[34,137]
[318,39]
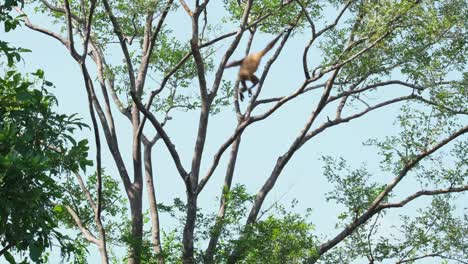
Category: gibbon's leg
[242,90]
[254,80]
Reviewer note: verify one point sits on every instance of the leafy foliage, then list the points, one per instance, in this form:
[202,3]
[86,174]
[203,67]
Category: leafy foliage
[36,149]
[275,21]
[423,42]
[353,188]
[285,235]
[12,54]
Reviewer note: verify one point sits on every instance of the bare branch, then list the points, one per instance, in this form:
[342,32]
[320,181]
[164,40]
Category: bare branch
[335,22]
[123,44]
[276,99]
[186,8]
[6,248]
[145,63]
[309,19]
[369,235]
[50,33]
[283,159]
[60,10]
[86,191]
[88,29]
[71,45]
[150,46]
[280,102]
[98,211]
[448,109]
[99,60]
[200,65]
[218,225]
[238,131]
[86,233]
[110,136]
[167,141]
[337,121]
[307,47]
[423,193]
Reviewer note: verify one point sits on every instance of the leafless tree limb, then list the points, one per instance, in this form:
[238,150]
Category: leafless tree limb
[217,227]
[186,8]
[86,233]
[6,248]
[282,160]
[337,121]
[167,141]
[423,193]
[88,29]
[150,45]
[86,191]
[50,33]
[123,44]
[88,84]
[335,22]
[238,131]
[59,10]
[98,221]
[451,110]
[71,45]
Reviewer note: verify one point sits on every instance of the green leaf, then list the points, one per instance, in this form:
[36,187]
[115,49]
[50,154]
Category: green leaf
[59,208]
[9,257]
[39,73]
[35,252]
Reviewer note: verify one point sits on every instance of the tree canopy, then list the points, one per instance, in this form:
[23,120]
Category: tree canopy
[140,61]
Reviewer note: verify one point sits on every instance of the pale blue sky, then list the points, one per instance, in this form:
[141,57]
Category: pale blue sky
[262,143]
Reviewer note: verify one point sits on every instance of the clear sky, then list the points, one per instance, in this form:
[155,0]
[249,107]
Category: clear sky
[262,143]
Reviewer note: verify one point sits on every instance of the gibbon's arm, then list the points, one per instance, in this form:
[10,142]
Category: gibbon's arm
[271,44]
[234,63]
[262,52]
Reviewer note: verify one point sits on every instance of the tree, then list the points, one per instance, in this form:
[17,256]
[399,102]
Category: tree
[374,54]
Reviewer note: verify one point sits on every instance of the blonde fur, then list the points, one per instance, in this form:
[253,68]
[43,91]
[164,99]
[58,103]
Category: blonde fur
[248,67]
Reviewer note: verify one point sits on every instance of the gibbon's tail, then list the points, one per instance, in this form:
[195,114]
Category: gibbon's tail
[234,63]
[271,44]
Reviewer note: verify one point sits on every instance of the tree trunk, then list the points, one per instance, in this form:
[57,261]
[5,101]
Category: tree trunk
[134,252]
[154,214]
[211,249]
[192,184]
[103,253]
[136,239]
[187,253]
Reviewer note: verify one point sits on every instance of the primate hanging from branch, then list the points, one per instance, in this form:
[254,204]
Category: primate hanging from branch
[249,65]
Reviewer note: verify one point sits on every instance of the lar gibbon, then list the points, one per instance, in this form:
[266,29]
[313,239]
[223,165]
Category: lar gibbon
[249,65]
